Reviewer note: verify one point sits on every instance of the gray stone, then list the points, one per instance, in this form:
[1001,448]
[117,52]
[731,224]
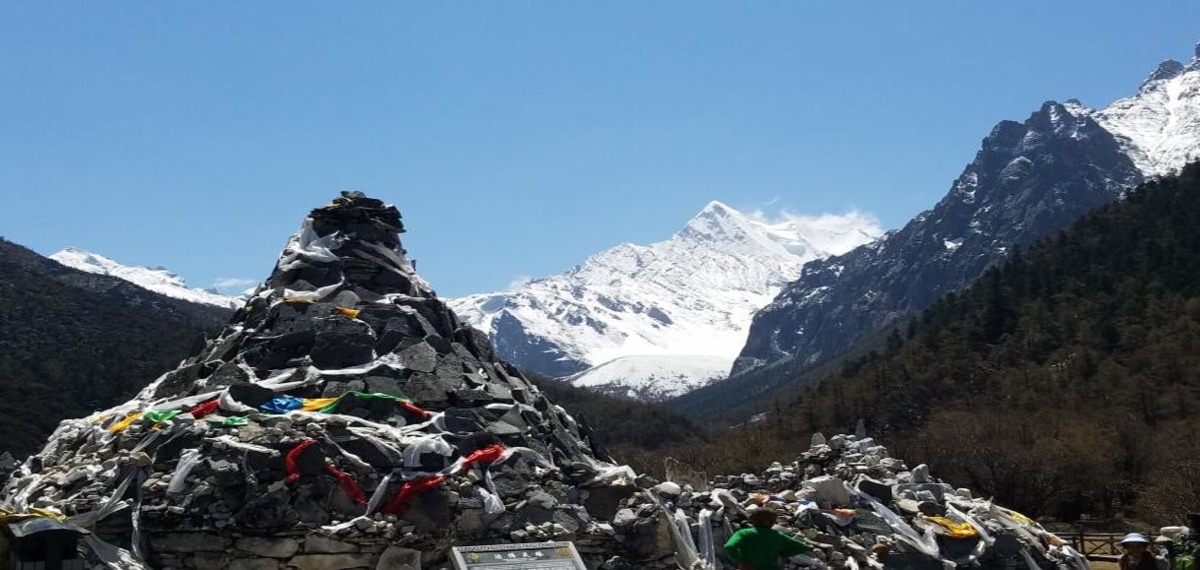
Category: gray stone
[920,474]
[829,490]
[603,502]
[542,499]
[668,490]
[254,564]
[881,491]
[211,561]
[911,561]
[509,484]
[189,542]
[908,506]
[472,521]
[418,356]
[384,385]
[317,544]
[341,343]
[269,547]
[624,517]
[650,538]
[335,388]
[346,299]
[331,561]
[398,558]
[570,518]
[931,509]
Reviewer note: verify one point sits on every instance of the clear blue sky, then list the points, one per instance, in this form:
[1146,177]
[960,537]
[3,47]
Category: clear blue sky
[518,137]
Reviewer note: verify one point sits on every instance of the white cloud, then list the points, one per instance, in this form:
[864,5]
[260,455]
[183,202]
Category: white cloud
[518,282]
[234,283]
[833,233]
[852,216]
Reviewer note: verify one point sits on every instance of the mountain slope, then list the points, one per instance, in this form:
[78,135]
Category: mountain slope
[692,294]
[1028,180]
[155,279]
[72,342]
[1069,373]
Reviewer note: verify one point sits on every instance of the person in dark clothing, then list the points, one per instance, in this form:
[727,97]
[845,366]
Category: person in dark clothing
[760,547]
[1137,553]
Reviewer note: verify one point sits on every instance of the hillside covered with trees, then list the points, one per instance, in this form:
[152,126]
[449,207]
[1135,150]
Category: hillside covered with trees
[632,432]
[73,342]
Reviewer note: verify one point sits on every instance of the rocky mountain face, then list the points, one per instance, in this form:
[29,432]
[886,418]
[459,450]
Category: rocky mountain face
[343,418]
[670,316]
[155,279]
[1029,180]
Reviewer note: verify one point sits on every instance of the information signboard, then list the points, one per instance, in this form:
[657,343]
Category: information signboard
[528,556]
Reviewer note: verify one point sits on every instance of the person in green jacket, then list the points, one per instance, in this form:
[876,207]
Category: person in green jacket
[760,547]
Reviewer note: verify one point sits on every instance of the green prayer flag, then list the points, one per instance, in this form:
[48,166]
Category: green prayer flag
[159,417]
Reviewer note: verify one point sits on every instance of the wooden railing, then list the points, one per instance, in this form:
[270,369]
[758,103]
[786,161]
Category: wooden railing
[1097,546]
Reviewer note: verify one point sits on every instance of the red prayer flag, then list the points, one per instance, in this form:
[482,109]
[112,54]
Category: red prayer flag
[292,456]
[201,410]
[411,489]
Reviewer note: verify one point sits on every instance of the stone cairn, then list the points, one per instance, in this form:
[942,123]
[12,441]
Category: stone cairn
[859,508]
[344,418]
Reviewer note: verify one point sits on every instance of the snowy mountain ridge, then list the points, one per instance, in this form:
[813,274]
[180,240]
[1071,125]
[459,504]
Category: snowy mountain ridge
[687,300]
[155,279]
[1157,130]
[1028,180]
[1159,127]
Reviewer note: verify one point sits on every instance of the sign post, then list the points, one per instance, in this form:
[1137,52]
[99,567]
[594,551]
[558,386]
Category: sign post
[528,556]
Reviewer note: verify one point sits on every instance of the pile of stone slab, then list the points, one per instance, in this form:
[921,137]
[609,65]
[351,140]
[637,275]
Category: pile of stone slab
[859,507]
[344,418]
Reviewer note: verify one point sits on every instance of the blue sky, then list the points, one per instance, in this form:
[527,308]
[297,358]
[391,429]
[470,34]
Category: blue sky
[518,137]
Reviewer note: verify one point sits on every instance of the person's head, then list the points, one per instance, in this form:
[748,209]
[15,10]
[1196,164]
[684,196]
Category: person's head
[763,518]
[1135,544]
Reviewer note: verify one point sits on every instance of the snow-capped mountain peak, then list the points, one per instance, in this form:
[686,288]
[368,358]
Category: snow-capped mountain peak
[688,298]
[1168,69]
[790,234]
[157,279]
[1159,127]
[717,223]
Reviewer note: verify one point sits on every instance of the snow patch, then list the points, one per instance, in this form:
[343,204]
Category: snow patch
[653,378]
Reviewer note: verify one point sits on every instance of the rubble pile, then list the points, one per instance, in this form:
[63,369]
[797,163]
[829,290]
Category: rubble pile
[859,508]
[344,418]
